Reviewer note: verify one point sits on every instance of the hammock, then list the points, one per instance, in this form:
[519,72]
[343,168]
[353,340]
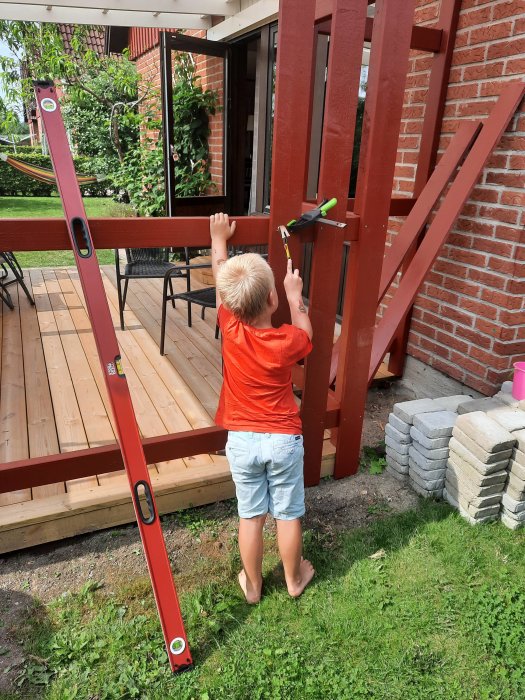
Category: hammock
[43,174]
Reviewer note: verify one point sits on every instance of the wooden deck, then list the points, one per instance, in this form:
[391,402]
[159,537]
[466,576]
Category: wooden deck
[53,399]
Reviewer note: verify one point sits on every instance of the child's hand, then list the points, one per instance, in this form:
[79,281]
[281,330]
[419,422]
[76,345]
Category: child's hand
[220,228]
[293,284]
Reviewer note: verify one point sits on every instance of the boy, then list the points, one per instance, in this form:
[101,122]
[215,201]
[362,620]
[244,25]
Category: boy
[265,444]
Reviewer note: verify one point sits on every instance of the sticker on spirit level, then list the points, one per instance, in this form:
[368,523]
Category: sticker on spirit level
[111,368]
[48,105]
[177,645]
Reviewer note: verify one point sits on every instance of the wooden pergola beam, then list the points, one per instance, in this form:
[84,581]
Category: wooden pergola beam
[194,231]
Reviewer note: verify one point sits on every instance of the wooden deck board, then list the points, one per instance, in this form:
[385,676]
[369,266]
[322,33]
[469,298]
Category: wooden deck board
[54,400]
[14,442]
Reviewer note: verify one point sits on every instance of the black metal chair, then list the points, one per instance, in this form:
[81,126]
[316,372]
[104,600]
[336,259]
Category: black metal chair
[146,263]
[9,264]
[204,297]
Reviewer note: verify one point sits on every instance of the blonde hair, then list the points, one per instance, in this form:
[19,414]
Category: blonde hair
[244,283]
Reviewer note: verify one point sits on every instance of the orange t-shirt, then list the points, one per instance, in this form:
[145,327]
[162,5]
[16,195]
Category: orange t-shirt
[256,392]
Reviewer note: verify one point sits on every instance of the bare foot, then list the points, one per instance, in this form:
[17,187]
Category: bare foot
[306,571]
[251,594]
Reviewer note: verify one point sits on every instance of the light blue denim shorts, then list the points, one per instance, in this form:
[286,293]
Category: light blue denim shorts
[267,469]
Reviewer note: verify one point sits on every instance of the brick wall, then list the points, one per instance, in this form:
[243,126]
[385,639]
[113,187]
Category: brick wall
[469,319]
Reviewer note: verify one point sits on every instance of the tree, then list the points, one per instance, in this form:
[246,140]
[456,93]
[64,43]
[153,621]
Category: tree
[103,92]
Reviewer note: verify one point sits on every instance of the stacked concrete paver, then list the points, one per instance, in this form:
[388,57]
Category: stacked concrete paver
[397,435]
[513,499]
[428,454]
[480,450]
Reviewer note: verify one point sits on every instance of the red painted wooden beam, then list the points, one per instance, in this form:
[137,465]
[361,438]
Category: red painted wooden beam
[422,39]
[51,469]
[381,121]
[399,206]
[342,90]
[407,236]
[449,210]
[51,234]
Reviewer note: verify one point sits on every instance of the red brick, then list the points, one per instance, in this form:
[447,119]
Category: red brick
[509,179]
[478,308]
[515,66]
[497,378]
[474,336]
[490,245]
[470,257]
[455,75]
[429,304]
[462,92]
[470,55]
[408,141]
[508,9]
[486,278]
[483,71]
[515,286]
[458,316]
[485,194]
[450,268]
[488,359]
[451,341]
[433,347]
[511,318]
[479,16]
[491,32]
[447,368]
[507,233]
[414,351]
[459,239]
[442,294]
[490,328]
[462,287]
[475,226]
[469,364]
[509,216]
[508,348]
[520,255]
[421,328]
[513,197]
[510,142]
[506,267]
[512,47]
[437,322]
[497,160]
[410,156]
[502,299]
[467,109]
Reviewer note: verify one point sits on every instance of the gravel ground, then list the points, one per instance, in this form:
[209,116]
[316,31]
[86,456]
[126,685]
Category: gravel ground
[112,556]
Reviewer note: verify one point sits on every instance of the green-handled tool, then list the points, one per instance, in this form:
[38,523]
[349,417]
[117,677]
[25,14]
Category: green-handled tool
[310,217]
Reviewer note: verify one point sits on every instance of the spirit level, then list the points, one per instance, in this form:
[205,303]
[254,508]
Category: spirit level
[116,383]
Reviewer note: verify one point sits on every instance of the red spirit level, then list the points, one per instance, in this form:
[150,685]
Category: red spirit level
[117,386]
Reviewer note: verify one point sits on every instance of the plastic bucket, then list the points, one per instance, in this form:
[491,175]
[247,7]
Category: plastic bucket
[518,384]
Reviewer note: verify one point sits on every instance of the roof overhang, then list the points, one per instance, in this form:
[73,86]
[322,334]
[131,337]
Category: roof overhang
[182,14]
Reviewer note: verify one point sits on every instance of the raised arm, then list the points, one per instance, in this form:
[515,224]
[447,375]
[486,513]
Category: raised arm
[221,231]
[293,286]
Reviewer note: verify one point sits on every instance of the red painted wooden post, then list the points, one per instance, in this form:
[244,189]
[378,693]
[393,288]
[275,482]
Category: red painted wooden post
[384,102]
[434,108]
[291,135]
[448,212]
[344,72]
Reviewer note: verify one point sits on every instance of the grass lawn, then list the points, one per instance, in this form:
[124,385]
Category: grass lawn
[36,207]
[439,615]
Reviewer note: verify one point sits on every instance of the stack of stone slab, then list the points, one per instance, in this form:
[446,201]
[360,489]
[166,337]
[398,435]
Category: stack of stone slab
[397,435]
[513,499]
[428,454]
[479,454]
